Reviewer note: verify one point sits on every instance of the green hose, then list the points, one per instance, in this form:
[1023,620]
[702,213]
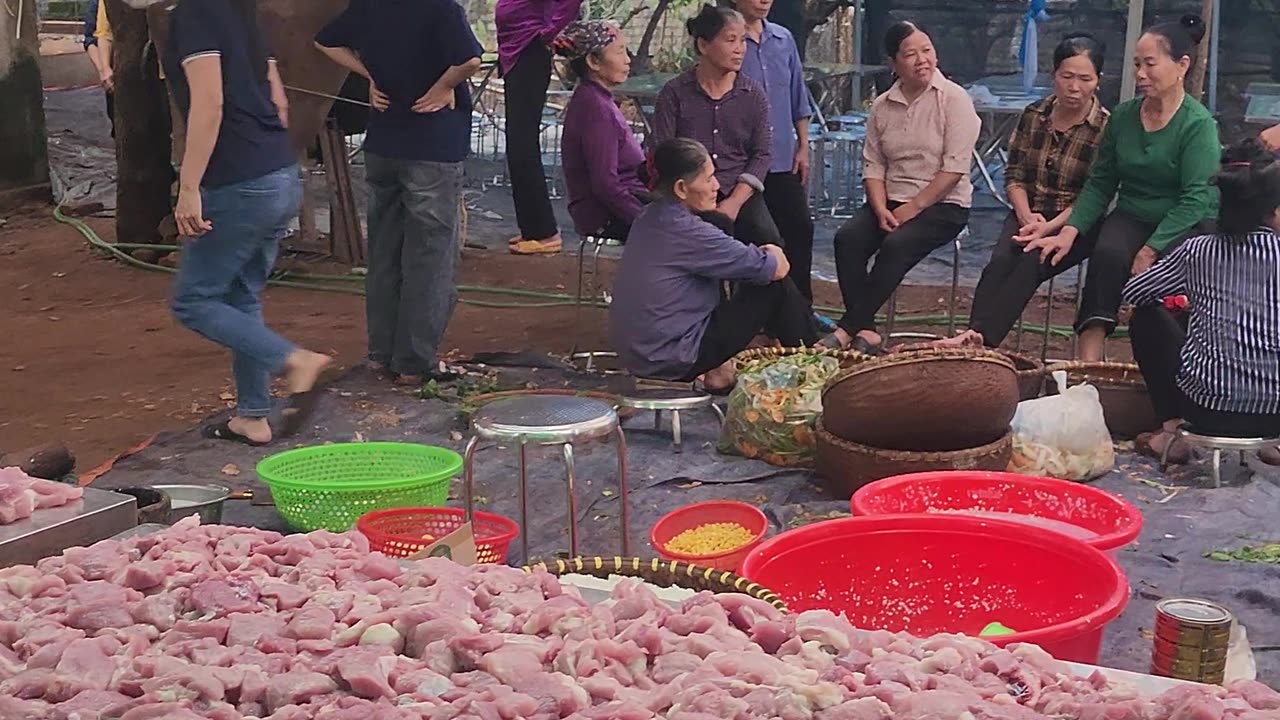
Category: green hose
[337,283]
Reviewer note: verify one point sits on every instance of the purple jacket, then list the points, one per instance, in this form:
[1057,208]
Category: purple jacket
[668,284]
[601,160]
[520,23]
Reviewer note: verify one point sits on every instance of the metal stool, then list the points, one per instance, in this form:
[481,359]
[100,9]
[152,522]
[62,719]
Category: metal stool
[598,244]
[547,420]
[891,311]
[673,400]
[1218,445]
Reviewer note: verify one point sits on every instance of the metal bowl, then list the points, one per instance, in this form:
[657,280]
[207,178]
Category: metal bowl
[203,500]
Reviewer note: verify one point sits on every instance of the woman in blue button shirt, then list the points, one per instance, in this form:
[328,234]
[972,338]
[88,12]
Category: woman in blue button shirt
[773,61]
[239,189]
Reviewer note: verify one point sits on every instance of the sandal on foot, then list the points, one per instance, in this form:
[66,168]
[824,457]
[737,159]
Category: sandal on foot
[535,247]
[445,372]
[866,347]
[298,410]
[223,431]
[830,342]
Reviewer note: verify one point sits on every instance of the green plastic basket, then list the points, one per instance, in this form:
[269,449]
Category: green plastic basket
[330,486]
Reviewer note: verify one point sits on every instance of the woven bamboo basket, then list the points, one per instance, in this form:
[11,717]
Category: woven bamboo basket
[845,466]
[847,358]
[1031,374]
[938,400]
[663,573]
[1122,391]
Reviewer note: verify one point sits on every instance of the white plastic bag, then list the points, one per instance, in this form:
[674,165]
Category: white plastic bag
[1063,436]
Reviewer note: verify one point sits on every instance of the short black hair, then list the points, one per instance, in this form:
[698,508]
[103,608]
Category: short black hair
[709,21]
[677,159]
[1080,43]
[1249,186]
[1180,39]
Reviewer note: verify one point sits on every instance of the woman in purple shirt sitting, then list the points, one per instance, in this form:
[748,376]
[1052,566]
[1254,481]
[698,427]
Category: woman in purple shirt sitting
[601,156]
[668,319]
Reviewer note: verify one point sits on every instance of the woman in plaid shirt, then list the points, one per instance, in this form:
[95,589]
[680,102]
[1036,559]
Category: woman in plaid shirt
[1049,158]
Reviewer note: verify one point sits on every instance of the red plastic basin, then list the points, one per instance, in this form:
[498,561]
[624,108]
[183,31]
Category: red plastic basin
[1086,513]
[929,574]
[704,513]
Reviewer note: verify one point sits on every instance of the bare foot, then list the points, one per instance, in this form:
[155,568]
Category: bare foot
[1270,456]
[871,337]
[303,369]
[968,338]
[256,429]
[839,339]
[720,378]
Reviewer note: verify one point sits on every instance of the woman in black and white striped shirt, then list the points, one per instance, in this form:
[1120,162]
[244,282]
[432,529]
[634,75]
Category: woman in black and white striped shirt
[1217,366]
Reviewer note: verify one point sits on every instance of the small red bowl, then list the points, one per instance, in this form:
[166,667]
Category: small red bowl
[705,513]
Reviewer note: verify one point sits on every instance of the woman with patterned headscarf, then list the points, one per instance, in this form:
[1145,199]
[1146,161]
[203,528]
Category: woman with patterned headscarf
[601,156]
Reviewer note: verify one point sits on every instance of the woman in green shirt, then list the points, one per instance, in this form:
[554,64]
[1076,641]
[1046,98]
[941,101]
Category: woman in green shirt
[1156,160]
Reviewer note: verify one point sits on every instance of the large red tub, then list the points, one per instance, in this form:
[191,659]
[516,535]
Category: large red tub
[929,574]
[1105,521]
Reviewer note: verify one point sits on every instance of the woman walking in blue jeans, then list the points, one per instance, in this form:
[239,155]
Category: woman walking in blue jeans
[239,189]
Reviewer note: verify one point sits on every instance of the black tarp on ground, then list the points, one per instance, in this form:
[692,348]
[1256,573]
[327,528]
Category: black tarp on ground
[1166,561]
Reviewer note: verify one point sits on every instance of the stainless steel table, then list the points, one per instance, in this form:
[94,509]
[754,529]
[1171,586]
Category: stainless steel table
[97,516]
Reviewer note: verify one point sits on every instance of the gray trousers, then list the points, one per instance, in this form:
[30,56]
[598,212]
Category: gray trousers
[414,254]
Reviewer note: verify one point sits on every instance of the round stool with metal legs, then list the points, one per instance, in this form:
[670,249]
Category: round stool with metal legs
[673,400]
[1217,445]
[548,420]
[592,294]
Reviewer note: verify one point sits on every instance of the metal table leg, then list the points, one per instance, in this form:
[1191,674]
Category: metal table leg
[571,478]
[524,498]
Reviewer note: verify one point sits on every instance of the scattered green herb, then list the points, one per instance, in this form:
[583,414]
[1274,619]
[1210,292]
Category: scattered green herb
[1268,554]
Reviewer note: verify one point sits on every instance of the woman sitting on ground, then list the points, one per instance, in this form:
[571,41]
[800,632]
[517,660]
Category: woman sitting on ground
[601,156]
[916,160]
[1157,156]
[1217,367]
[717,105]
[668,319]
[1049,158]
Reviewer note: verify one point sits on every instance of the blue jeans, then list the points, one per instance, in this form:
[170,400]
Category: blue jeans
[414,255]
[219,286]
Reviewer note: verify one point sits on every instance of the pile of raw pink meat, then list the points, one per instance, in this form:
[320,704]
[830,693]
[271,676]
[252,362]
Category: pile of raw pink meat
[226,623]
[21,495]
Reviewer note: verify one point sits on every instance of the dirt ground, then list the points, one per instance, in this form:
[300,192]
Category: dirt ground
[92,358]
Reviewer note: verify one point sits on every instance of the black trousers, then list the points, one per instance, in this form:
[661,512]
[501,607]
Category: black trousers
[788,203]
[1011,278]
[524,91]
[895,253]
[777,309]
[755,225]
[1157,336]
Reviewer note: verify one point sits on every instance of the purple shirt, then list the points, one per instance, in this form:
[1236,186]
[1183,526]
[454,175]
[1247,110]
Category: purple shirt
[601,160]
[520,23]
[775,64]
[735,128]
[668,284]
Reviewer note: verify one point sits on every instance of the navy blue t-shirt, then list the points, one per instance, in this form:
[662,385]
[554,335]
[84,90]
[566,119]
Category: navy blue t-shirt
[252,141]
[407,45]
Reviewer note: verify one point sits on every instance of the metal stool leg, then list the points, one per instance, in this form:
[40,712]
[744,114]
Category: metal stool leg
[955,289]
[719,413]
[623,493]
[657,419]
[577,298]
[675,431]
[596,295]
[570,481]
[1217,468]
[1075,337]
[1164,454]
[890,313]
[1048,322]
[524,499]
[469,479]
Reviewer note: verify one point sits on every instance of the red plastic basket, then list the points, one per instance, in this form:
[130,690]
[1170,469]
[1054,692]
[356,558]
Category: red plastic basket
[698,514]
[1098,518]
[929,574]
[402,532]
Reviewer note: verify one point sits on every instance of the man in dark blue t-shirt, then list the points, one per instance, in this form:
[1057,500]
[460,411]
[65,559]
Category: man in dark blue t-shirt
[417,55]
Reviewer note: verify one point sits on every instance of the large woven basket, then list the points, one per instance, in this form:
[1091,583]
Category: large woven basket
[1030,374]
[847,358]
[663,573]
[938,399]
[845,466]
[1122,391]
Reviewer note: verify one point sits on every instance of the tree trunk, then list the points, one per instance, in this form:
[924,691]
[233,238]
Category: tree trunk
[1201,66]
[643,60]
[144,175]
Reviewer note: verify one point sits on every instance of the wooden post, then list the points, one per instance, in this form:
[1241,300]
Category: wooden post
[1196,87]
[1133,31]
[144,176]
[345,236]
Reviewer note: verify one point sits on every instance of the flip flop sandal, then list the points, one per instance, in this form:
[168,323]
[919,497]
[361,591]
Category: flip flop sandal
[445,372]
[223,431]
[862,345]
[830,342]
[298,410]
[535,247]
